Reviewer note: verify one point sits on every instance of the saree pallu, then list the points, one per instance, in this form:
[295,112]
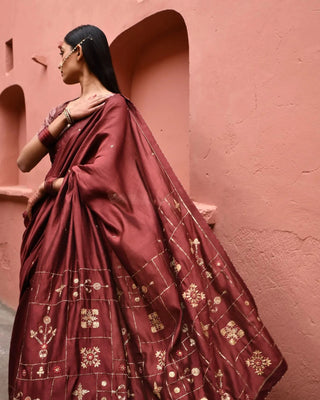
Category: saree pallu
[125,291]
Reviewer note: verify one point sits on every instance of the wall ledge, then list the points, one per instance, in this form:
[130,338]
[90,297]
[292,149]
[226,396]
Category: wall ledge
[208,211]
[17,191]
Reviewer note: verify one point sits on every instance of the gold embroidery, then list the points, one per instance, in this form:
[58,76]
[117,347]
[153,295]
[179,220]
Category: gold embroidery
[156,322]
[208,274]
[195,371]
[46,333]
[216,301]
[186,374]
[90,357]
[161,357]
[193,295]
[219,385]
[194,250]
[119,293]
[19,396]
[258,362]
[60,289]
[232,332]
[177,205]
[157,389]
[89,318]
[87,285]
[176,267]
[205,329]
[125,392]
[40,372]
[57,369]
[80,392]
[144,288]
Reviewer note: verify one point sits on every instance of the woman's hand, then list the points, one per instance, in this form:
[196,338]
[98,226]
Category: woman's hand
[82,107]
[37,195]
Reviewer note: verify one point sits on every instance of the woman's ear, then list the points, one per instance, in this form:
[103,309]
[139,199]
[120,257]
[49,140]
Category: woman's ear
[79,52]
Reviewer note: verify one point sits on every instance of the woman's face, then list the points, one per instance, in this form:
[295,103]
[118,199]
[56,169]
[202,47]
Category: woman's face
[69,65]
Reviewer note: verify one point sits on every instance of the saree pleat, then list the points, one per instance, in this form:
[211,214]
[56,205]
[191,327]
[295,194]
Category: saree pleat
[125,291]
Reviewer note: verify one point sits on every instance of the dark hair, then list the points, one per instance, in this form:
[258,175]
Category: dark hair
[96,53]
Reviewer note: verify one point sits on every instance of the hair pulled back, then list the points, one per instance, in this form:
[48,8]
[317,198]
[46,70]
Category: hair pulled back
[96,53]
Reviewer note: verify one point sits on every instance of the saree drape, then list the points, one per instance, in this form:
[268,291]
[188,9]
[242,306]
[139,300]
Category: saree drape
[125,291]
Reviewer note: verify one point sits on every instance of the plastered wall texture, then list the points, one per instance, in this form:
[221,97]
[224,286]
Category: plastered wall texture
[253,122]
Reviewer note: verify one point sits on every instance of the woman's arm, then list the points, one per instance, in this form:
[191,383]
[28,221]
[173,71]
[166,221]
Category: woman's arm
[40,193]
[80,108]
[34,150]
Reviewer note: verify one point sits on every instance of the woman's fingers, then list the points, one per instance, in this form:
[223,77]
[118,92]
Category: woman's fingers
[83,107]
[32,201]
[98,99]
[98,106]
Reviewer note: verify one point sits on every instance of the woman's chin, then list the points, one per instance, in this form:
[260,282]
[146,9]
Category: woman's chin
[68,80]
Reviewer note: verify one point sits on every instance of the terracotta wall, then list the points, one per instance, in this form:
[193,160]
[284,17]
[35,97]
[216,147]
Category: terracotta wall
[243,78]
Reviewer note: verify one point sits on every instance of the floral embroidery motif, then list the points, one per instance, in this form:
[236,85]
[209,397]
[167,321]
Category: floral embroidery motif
[208,275]
[90,357]
[20,396]
[156,322]
[121,393]
[219,385]
[89,318]
[144,288]
[177,205]
[161,357]
[194,244]
[80,392]
[60,289]
[157,389]
[176,267]
[57,369]
[213,304]
[258,362]
[87,285]
[193,295]
[186,374]
[40,372]
[232,332]
[205,329]
[44,335]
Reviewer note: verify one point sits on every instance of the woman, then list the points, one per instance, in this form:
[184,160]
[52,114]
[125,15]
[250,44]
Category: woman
[125,291]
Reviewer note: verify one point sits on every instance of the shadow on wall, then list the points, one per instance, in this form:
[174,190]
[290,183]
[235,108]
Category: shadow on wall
[13,132]
[151,60]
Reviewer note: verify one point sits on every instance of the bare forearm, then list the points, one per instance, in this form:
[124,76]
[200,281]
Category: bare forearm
[34,150]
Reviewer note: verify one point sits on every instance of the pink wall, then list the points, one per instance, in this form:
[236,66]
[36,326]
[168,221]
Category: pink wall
[251,149]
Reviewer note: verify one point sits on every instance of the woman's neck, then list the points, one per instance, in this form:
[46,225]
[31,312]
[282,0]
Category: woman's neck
[91,85]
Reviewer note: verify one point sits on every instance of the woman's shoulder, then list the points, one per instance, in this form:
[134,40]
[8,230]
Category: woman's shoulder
[115,103]
[116,98]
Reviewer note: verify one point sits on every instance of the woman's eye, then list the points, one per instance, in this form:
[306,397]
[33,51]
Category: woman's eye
[61,53]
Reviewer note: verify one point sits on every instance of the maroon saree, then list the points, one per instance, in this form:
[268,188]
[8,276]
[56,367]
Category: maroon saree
[125,291]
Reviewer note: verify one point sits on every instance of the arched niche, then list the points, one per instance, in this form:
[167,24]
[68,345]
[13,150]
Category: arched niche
[151,60]
[12,133]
